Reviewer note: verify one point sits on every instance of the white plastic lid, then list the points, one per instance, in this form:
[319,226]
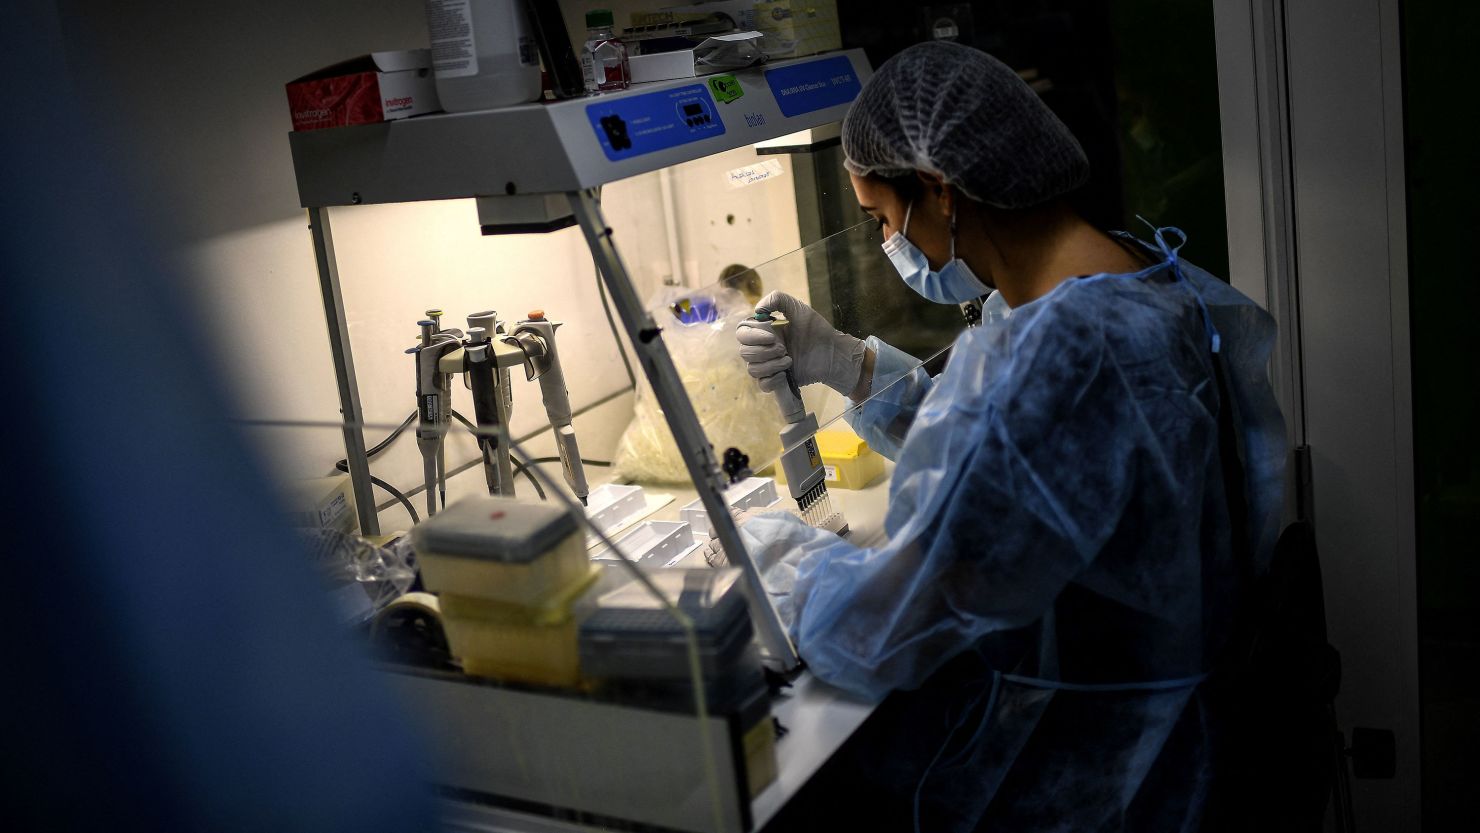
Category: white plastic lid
[508,530]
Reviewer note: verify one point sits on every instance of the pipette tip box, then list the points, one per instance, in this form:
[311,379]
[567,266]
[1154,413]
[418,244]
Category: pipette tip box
[501,550]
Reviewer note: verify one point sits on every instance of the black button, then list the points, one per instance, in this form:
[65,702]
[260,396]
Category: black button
[616,132]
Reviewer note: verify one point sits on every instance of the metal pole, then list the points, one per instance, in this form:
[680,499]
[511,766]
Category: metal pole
[344,371]
[693,445]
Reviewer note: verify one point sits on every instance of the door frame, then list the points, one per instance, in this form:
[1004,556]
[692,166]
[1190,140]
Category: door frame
[1311,99]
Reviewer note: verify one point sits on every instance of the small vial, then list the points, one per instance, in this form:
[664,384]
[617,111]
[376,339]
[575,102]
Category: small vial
[604,57]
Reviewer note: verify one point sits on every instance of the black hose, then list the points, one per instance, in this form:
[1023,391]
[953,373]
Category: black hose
[415,518]
[519,465]
[598,463]
[523,466]
[464,420]
[343,465]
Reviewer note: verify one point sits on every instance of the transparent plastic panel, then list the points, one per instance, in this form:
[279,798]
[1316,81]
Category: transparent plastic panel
[845,277]
[605,694]
[692,223]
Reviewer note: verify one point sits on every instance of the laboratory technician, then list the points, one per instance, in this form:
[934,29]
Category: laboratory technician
[1069,543]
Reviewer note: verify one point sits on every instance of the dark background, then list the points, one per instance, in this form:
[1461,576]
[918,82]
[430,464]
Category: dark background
[1136,81]
[1444,293]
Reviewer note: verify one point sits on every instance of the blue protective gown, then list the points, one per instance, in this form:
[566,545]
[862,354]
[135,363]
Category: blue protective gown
[1060,565]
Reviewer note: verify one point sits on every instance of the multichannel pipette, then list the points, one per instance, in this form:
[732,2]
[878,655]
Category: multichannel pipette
[800,459]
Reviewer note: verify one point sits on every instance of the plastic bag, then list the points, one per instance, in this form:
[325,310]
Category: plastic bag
[731,408]
[362,577]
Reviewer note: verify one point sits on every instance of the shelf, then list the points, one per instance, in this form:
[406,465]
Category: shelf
[575,144]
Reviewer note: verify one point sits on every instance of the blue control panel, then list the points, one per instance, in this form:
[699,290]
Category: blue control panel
[814,85]
[633,125]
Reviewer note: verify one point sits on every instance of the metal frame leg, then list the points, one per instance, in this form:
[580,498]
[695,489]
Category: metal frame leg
[344,371]
[694,446]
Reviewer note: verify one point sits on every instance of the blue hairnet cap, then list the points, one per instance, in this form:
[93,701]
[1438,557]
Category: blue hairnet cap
[965,116]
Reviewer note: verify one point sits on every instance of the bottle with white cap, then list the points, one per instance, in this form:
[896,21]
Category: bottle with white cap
[484,54]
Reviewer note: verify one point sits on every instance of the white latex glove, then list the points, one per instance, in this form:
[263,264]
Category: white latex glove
[807,345]
[714,552]
[777,540]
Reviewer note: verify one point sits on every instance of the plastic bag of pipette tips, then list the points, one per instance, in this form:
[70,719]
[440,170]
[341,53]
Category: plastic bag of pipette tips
[730,406]
[362,577]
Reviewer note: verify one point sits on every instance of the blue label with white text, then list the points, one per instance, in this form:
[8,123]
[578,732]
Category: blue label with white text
[633,125]
[814,85]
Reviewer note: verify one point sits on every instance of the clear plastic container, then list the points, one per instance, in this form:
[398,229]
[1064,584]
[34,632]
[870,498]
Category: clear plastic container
[604,56]
[652,544]
[483,53]
[750,493]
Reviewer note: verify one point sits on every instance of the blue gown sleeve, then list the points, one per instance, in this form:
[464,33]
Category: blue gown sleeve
[899,385]
[1007,487]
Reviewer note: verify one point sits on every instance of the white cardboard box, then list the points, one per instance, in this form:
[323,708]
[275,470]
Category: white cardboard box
[663,66]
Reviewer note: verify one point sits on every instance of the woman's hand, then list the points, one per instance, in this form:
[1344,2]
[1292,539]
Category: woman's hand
[714,552]
[808,346]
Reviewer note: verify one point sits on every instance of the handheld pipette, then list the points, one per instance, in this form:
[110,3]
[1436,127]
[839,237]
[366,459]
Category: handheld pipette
[485,377]
[800,460]
[444,379]
[433,405]
[535,335]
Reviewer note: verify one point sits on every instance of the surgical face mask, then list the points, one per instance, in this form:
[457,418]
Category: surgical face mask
[953,284]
